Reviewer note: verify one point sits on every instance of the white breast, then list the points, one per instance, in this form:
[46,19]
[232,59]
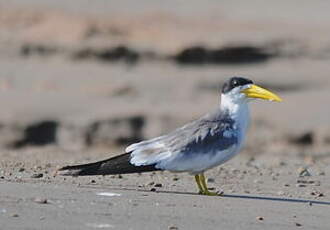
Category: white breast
[201,162]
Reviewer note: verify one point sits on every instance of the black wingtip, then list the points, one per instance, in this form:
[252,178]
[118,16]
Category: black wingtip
[115,165]
[69,171]
[83,169]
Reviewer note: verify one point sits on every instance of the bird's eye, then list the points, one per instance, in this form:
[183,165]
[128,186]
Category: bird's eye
[235,83]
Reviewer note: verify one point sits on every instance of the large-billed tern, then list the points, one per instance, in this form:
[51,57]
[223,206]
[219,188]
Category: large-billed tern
[194,148]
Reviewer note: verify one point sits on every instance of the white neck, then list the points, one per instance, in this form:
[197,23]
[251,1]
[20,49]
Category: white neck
[238,110]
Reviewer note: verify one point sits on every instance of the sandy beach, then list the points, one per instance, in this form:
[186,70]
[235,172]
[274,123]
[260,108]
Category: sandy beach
[80,82]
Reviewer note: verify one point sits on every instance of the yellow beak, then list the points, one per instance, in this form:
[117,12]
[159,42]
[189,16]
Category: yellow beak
[257,92]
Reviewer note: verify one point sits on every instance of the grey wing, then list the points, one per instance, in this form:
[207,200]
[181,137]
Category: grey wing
[206,137]
[201,136]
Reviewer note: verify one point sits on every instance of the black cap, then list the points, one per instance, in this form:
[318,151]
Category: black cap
[234,82]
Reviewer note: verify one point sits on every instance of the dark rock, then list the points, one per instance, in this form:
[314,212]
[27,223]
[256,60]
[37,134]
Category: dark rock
[37,49]
[225,55]
[40,133]
[303,139]
[193,55]
[120,53]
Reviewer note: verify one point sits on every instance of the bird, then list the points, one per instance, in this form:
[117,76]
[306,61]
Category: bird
[196,147]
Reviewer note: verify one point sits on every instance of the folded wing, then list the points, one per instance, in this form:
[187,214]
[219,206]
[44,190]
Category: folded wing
[198,137]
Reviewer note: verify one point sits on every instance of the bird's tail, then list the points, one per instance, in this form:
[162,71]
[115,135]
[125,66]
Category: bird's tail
[115,165]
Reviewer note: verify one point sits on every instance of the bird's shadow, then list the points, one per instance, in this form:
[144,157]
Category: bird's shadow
[234,196]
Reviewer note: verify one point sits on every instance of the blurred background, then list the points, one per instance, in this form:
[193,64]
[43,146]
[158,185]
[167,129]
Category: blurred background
[82,79]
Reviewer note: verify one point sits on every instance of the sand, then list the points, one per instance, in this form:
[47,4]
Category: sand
[78,83]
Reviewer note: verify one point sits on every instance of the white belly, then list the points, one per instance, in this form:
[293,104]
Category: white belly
[199,162]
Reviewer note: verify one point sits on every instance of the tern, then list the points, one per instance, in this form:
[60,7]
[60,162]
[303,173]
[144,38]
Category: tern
[194,148]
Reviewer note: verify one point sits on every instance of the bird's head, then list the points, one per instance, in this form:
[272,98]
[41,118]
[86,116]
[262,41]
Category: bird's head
[239,90]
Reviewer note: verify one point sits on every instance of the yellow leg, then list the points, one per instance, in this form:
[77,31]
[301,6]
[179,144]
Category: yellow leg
[205,190]
[198,182]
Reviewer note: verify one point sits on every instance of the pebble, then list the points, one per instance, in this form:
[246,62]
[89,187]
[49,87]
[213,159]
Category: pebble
[158,185]
[298,224]
[315,182]
[21,169]
[260,218]
[300,185]
[14,215]
[173,228]
[153,190]
[282,163]
[37,175]
[305,181]
[317,194]
[303,172]
[40,200]
[210,180]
